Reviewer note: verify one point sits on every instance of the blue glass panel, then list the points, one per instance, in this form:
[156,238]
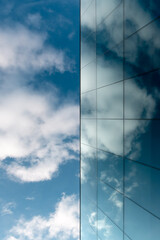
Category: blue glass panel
[107,229]
[111,203]
[110,169]
[142,185]
[142,96]
[138,13]
[139,224]
[142,50]
[142,139]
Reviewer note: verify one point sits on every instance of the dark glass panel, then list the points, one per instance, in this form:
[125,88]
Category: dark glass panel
[110,101]
[110,66]
[138,13]
[110,31]
[142,96]
[88,21]
[88,77]
[142,139]
[88,132]
[110,169]
[111,203]
[88,104]
[142,50]
[105,7]
[88,49]
[110,136]
[142,185]
[107,229]
[139,224]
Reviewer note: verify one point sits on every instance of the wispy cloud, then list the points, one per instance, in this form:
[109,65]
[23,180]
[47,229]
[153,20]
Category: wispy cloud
[7,209]
[30,198]
[62,224]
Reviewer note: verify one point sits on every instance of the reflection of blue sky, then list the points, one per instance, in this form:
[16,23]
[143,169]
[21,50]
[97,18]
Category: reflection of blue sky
[39,119]
[140,108]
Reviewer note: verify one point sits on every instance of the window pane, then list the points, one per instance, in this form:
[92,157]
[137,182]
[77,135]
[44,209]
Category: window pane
[88,77]
[139,224]
[140,12]
[142,139]
[143,50]
[105,7]
[110,169]
[141,96]
[109,66]
[111,203]
[142,185]
[107,230]
[110,136]
[88,132]
[88,104]
[110,101]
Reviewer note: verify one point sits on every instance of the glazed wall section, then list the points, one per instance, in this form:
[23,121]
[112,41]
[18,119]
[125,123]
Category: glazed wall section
[120,120]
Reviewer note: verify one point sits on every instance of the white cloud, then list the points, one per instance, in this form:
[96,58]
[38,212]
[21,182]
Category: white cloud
[37,131]
[62,224]
[26,50]
[7,209]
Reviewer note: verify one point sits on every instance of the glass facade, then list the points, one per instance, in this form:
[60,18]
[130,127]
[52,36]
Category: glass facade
[120,120]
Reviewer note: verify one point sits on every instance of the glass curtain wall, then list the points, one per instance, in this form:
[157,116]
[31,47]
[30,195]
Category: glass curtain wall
[120,120]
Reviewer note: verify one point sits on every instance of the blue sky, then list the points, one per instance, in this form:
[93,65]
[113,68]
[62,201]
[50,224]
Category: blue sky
[39,119]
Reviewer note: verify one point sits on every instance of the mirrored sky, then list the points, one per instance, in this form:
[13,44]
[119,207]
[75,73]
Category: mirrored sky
[39,119]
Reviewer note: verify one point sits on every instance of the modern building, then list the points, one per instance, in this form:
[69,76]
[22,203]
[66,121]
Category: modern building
[120,120]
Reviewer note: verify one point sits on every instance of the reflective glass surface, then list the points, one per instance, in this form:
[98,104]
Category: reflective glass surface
[105,7]
[139,224]
[142,96]
[88,76]
[120,119]
[88,101]
[142,50]
[142,139]
[110,31]
[109,66]
[110,101]
[88,132]
[142,186]
[88,192]
[84,5]
[88,22]
[111,203]
[110,169]
[138,13]
[107,229]
[110,136]
[88,49]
